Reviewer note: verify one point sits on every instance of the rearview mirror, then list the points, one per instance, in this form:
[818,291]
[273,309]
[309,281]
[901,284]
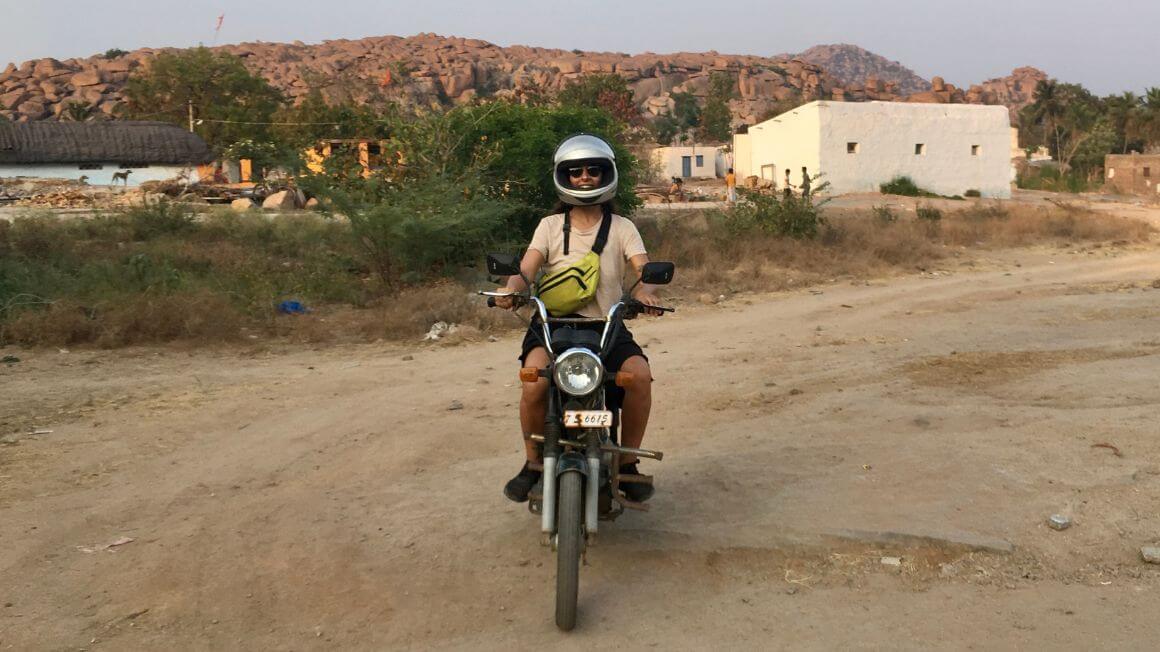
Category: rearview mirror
[657,273]
[503,265]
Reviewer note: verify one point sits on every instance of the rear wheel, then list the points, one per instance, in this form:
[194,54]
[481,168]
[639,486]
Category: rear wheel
[569,539]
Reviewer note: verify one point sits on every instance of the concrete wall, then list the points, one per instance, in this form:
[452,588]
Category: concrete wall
[742,155]
[788,141]
[668,160]
[1133,174]
[101,177]
[887,133]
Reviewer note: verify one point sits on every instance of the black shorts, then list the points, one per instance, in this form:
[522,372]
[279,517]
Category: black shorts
[623,349]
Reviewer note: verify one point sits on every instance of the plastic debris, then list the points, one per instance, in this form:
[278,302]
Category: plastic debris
[292,308]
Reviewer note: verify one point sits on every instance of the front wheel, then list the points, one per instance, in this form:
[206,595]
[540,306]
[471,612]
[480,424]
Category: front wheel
[569,539]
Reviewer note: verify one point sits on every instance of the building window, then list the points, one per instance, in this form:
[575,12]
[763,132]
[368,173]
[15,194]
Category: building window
[1147,172]
[700,161]
[852,148]
[920,149]
[90,166]
[132,166]
[975,149]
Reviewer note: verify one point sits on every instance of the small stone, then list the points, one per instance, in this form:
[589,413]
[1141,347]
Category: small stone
[1059,522]
[1156,284]
[948,570]
[791,590]
[407,358]
[1151,554]
[10,359]
[795,391]
[922,422]
[492,338]
[891,561]
[455,405]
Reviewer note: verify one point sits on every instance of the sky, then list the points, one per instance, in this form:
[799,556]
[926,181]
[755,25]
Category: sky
[964,41]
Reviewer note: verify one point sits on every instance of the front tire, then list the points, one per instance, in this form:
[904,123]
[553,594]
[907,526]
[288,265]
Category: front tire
[569,540]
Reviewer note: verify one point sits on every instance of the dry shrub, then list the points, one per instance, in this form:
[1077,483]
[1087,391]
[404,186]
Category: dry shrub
[862,244]
[200,316]
[412,311]
[1020,225]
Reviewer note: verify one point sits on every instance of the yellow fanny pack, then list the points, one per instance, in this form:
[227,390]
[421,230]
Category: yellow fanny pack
[567,290]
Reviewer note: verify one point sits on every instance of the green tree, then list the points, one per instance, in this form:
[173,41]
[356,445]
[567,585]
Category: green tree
[608,92]
[1124,112]
[717,119]
[314,119]
[231,103]
[1150,117]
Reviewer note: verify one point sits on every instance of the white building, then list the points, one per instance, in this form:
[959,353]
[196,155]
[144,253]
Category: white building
[148,151]
[945,148]
[691,161]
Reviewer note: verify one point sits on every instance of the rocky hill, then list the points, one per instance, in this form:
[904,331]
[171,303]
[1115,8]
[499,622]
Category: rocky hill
[855,67]
[431,69]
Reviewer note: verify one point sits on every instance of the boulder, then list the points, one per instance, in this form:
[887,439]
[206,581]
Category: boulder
[285,200]
[242,204]
[14,99]
[33,110]
[86,78]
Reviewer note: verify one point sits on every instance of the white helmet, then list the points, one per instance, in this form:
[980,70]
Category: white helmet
[582,150]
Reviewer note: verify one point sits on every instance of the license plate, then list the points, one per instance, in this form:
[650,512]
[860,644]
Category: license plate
[587,419]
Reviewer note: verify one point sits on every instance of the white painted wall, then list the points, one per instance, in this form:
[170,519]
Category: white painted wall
[668,160]
[102,177]
[816,135]
[788,141]
[887,132]
[742,156]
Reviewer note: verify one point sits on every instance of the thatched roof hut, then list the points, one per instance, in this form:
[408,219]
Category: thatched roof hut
[153,143]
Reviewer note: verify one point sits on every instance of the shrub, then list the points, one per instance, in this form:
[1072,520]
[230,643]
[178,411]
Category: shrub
[884,215]
[928,213]
[428,227]
[902,185]
[972,193]
[792,217]
[159,218]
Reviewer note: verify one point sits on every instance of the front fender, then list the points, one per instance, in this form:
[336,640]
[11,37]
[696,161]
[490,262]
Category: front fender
[572,462]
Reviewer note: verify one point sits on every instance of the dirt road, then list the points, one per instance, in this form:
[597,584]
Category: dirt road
[311,499]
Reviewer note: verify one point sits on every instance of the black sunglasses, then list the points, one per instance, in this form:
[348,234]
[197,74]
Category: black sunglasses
[592,170]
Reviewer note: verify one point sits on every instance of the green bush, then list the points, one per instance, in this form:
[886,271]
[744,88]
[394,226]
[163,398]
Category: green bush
[902,185]
[972,193]
[159,218]
[428,227]
[792,217]
[1050,179]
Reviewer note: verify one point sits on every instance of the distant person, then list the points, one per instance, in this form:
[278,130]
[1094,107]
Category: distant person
[677,190]
[788,191]
[730,186]
[805,183]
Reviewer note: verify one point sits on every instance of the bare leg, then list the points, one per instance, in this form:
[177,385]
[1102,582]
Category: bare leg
[534,403]
[637,405]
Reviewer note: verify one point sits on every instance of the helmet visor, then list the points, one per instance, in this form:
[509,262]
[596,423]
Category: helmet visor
[587,174]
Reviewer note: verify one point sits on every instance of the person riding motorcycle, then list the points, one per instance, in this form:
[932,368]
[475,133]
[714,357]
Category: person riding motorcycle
[586,178]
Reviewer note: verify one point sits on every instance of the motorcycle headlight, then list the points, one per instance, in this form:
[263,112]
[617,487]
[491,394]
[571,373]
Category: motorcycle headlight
[578,372]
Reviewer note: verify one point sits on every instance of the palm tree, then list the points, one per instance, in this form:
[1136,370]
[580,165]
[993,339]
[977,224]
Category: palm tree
[1047,108]
[1124,112]
[1150,116]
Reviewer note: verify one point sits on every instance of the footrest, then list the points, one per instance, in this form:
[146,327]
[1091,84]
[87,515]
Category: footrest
[634,478]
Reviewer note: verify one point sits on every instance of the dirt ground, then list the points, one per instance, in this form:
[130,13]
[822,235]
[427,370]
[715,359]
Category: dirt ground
[289,498]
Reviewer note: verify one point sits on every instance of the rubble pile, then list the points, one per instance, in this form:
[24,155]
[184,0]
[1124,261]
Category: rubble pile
[424,69]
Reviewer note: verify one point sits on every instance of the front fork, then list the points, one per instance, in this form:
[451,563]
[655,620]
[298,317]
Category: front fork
[589,465]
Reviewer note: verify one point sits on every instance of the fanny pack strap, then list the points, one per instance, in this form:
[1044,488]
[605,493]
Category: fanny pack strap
[601,235]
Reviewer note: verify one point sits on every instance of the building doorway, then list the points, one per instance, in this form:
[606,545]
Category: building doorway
[686,166]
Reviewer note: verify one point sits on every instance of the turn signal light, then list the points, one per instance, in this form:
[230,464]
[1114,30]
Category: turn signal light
[624,378]
[529,374]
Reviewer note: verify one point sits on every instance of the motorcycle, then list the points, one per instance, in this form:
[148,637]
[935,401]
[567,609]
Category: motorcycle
[581,459]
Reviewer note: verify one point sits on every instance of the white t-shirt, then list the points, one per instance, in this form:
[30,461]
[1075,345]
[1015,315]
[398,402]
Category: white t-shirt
[623,243]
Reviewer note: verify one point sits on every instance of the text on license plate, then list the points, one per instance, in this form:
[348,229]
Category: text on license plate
[587,419]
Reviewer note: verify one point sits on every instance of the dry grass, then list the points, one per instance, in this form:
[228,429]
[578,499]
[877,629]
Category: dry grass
[858,245]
